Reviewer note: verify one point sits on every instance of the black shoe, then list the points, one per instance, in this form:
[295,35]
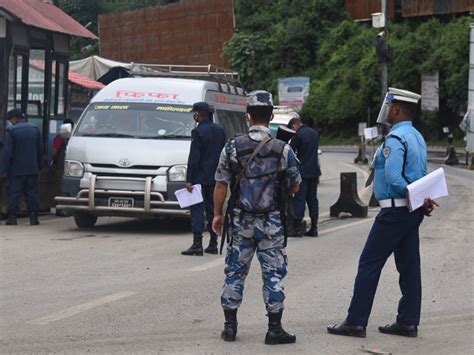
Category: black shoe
[230,326]
[345,328]
[196,248]
[399,329]
[34,219]
[212,247]
[276,334]
[11,220]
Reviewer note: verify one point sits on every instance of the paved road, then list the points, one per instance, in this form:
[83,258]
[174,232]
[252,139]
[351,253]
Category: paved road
[123,287]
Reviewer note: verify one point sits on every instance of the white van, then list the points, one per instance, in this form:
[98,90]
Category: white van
[128,152]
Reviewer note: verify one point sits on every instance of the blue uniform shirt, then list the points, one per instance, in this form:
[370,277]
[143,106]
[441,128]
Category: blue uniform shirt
[22,151]
[306,144]
[391,174]
[208,139]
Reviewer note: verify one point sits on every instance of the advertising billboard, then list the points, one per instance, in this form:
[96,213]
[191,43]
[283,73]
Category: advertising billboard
[293,91]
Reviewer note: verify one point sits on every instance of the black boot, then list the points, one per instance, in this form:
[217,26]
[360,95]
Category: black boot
[299,228]
[11,220]
[34,219]
[276,334]
[196,248]
[230,326]
[212,247]
[313,231]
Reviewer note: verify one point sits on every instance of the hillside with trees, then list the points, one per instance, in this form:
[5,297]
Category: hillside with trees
[317,38]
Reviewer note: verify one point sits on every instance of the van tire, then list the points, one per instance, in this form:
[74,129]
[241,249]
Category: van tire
[85,220]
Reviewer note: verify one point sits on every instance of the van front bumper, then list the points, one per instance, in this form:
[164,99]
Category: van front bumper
[147,203]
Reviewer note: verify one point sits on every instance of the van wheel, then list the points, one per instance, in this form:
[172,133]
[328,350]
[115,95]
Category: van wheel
[85,220]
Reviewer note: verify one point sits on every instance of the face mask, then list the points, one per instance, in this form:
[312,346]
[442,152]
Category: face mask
[9,123]
[385,109]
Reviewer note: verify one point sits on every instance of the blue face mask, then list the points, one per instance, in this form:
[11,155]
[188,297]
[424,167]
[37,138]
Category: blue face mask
[9,124]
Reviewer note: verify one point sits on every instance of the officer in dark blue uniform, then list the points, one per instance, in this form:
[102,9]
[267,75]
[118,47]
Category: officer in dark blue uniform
[400,161]
[208,139]
[306,144]
[21,162]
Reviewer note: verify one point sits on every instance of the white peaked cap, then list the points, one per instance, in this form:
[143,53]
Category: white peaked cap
[402,95]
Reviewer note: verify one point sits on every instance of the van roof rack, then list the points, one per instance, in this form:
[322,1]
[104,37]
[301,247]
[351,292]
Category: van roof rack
[205,72]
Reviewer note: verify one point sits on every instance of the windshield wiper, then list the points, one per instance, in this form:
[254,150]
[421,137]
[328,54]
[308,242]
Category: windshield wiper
[111,134]
[167,136]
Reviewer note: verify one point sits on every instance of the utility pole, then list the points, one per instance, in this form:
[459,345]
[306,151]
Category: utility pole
[384,63]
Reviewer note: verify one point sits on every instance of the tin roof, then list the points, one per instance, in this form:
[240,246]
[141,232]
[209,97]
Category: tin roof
[72,76]
[84,81]
[43,14]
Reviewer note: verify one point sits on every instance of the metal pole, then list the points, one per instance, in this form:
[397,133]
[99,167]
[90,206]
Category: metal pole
[384,74]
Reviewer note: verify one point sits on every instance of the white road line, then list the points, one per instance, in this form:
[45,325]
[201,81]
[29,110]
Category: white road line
[208,265]
[335,229]
[68,312]
[220,261]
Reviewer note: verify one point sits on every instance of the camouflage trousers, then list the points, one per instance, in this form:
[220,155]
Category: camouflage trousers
[262,234]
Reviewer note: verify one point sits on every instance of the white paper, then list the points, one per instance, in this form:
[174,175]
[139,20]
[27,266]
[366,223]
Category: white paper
[431,186]
[53,126]
[371,133]
[186,198]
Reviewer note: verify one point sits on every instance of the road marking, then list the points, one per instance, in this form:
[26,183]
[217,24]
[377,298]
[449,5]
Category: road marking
[208,265]
[335,229]
[220,261]
[69,312]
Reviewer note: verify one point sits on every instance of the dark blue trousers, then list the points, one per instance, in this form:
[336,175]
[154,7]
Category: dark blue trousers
[28,184]
[307,194]
[395,230]
[203,211]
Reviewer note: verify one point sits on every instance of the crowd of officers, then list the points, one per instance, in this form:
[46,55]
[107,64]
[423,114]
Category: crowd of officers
[270,182]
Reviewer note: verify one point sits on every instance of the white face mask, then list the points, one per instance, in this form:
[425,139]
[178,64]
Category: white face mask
[385,109]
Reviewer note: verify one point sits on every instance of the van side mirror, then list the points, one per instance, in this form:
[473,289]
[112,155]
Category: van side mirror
[65,130]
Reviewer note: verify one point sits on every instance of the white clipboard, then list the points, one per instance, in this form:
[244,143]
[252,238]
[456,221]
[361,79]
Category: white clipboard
[431,186]
[186,198]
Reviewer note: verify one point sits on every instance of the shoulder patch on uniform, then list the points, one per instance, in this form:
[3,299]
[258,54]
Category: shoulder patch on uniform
[386,152]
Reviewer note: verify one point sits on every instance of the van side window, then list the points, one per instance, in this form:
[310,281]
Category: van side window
[234,123]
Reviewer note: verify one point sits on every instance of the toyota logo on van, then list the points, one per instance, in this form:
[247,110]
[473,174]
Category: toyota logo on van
[124,163]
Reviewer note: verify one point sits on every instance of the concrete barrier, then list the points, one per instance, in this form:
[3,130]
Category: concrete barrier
[349,201]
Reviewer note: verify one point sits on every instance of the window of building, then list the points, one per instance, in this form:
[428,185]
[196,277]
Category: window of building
[36,83]
[16,78]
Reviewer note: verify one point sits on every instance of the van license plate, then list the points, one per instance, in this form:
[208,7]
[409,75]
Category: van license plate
[121,202]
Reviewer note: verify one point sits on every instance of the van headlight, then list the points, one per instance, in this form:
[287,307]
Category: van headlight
[177,173]
[73,168]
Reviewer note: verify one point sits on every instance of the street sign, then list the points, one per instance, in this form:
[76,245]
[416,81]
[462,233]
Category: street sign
[371,133]
[293,91]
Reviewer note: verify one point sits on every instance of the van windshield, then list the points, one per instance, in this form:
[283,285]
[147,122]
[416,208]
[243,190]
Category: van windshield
[132,120]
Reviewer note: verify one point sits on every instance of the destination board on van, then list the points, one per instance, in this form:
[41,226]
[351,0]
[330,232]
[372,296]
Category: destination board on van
[143,107]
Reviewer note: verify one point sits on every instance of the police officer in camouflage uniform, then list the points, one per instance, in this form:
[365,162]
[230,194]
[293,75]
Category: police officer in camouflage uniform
[254,222]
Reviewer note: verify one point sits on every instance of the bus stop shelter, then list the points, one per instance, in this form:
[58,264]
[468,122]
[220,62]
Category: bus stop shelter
[36,34]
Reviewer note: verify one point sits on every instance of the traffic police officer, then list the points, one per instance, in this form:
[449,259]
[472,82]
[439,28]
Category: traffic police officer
[208,139]
[256,166]
[400,161]
[21,162]
[305,143]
